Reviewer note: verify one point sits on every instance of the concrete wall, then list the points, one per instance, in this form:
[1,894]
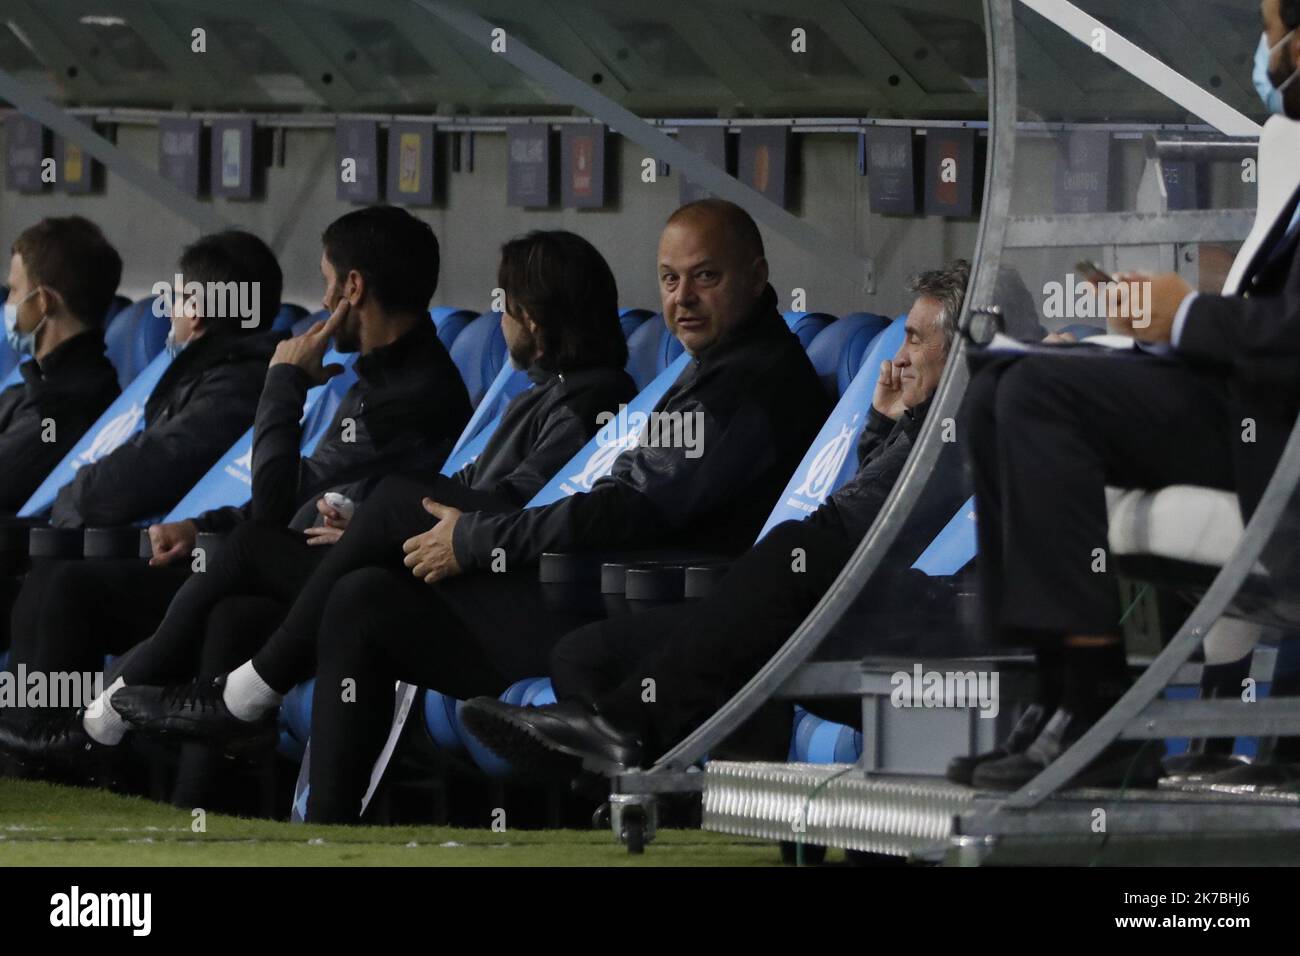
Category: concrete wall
[473,220]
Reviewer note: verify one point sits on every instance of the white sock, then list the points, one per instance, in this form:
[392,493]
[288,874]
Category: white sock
[104,724]
[247,696]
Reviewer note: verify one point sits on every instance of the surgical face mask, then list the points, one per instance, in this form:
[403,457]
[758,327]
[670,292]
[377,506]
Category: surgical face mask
[23,343]
[173,347]
[1270,94]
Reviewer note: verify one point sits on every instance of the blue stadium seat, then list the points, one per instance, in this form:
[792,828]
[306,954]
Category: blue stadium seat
[650,350]
[7,358]
[120,421]
[288,316]
[305,322]
[451,322]
[815,740]
[830,460]
[632,319]
[480,352]
[295,720]
[134,336]
[807,325]
[839,345]
[229,482]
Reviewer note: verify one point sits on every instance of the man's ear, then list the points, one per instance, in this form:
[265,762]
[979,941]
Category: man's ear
[48,302]
[354,288]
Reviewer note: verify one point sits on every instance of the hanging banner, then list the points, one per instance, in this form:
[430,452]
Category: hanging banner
[1180,184]
[356,161]
[891,170]
[582,161]
[232,158]
[763,165]
[26,146]
[711,143]
[77,172]
[411,163]
[181,154]
[950,172]
[1083,171]
[528,170]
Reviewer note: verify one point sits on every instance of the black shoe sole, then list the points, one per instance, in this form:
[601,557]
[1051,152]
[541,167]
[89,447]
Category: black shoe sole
[260,736]
[528,750]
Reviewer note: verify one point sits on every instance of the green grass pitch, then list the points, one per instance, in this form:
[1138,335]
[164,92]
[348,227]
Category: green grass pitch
[46,825]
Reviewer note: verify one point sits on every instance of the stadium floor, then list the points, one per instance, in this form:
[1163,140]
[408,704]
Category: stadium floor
[46,825]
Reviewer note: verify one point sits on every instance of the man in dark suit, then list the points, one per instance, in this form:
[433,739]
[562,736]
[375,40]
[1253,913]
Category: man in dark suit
[1209,400]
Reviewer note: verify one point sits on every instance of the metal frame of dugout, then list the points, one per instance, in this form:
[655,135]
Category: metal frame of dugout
[924,817]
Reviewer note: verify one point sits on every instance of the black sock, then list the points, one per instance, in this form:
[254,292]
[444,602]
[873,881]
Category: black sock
[1050,677]
[1095,677]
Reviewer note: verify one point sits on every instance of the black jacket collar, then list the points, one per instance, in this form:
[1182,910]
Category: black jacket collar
[72,354]
[763,322]
[410,347]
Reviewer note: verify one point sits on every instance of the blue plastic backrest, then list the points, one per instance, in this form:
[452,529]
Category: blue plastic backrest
[440,719]
[480,352]
[954,547]
[307,321]
[487,416]
[134,337]
[830,460]
[597,456]
[842,336]
[229,482]
[119,422]
[650,350]
[13,377]
[288,316]
[856,350]
[8,360]
[633,319]
[451,322]
[807,325]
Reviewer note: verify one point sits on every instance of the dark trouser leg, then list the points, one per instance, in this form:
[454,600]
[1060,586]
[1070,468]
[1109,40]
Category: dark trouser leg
[725,638]
[1065,427]
[236,627]
[464,637]
[254,559]
[73,613]
[379,626]
[390,515]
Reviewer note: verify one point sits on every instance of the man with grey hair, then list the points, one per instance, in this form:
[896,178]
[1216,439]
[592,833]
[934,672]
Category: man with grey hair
[698,655]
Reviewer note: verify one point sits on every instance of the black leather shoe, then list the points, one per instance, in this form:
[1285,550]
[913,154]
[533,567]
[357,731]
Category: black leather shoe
[555,740]
[1030,725]
[1190,771]
[1125,763]
[193,711]
[56,746]
[1253,778]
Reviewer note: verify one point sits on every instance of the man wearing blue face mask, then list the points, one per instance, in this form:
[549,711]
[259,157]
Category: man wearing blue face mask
[1128,420]
[62,277]
[1275,57]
